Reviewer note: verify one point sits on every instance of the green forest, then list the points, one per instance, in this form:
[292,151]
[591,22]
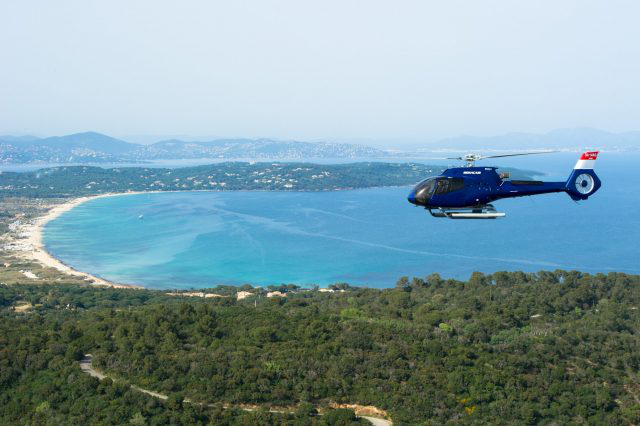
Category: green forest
[507,348]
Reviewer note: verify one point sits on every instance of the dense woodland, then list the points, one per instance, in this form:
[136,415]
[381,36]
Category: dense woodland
[508,348]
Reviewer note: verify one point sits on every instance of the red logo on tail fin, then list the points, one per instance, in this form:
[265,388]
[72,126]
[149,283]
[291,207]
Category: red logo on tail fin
[589,155]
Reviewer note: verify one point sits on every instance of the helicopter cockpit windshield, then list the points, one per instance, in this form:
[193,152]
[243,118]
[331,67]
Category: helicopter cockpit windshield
[424,190]
[429,187]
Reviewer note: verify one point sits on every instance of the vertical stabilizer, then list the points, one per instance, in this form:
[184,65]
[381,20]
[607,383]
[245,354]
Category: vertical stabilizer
[587,161]
[583,181]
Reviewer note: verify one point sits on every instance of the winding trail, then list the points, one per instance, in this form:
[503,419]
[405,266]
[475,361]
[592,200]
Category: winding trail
[86,365]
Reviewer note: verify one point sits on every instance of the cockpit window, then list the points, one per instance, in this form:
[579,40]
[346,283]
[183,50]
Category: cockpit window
[456,184]
[444,186]
[436,186]
[424,189]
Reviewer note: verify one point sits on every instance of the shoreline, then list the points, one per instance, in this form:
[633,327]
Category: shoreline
[41,255]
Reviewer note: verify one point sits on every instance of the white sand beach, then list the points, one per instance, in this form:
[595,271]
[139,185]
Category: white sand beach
[40,254]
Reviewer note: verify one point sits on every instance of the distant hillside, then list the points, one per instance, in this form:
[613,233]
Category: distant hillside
[254,148]
[562,139]
[89,141]
[88,147]
[91,147]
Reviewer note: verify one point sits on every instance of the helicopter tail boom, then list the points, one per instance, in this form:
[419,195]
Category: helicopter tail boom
[583,181]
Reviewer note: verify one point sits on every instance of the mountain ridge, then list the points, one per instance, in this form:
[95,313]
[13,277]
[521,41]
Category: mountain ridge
[573,139]
[94,147]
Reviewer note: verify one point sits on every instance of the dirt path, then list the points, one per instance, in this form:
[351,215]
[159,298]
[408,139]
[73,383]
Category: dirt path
[87,367]
[377,422]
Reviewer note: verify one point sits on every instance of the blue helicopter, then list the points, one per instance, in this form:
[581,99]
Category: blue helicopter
[467,192]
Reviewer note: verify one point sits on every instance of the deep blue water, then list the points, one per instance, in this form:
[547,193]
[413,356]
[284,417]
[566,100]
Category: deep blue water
[364,237]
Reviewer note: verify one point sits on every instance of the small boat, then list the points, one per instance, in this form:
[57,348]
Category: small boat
[141,216]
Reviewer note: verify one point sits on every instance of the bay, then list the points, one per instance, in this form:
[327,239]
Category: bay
[364,237]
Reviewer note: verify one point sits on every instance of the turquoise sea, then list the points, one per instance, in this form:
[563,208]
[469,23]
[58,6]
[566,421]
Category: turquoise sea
[363,237]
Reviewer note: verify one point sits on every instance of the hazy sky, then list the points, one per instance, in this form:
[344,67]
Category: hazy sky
[335,70]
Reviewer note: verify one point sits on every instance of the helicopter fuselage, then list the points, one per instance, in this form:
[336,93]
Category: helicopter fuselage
[468,187]
[466,192]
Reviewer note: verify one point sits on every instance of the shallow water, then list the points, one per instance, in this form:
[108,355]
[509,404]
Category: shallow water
[364,237]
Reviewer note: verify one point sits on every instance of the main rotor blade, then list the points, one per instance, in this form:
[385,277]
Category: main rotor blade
[524,153]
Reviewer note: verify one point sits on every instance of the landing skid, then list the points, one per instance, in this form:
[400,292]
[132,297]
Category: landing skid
[477,212]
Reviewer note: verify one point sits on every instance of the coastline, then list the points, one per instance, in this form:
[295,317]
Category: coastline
[41,255]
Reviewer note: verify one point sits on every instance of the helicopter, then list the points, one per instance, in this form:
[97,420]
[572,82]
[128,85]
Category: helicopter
[467,192]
